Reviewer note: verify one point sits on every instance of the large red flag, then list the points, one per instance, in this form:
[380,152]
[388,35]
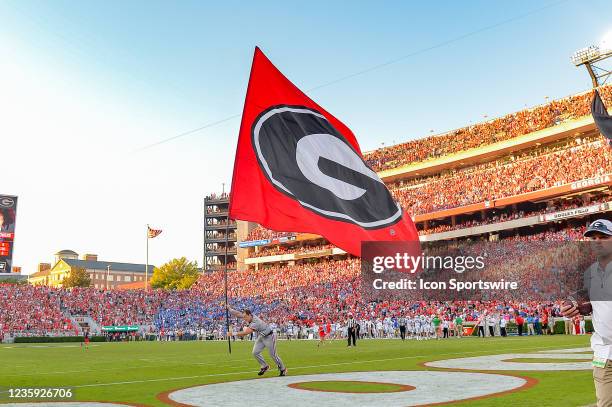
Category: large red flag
[298,168]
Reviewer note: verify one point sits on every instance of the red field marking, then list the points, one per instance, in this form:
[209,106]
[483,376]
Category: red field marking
[401,387]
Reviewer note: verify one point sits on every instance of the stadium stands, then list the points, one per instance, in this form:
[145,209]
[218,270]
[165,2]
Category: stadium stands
[504,128]
[300,295]
[507,216]
[496,180]
[32,310]
[262,233]
[276,250]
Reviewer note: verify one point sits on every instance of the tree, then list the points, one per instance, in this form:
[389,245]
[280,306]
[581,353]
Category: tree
[177,274]
[78,277]
[13,280]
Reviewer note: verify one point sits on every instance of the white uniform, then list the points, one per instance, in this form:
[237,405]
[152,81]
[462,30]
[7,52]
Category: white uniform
[266,338]
[417,326]
[600,287]
[410,326]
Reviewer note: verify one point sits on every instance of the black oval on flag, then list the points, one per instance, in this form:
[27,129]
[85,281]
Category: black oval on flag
[306,158]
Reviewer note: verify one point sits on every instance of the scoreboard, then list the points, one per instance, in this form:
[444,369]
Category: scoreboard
[8,214]
[5,247]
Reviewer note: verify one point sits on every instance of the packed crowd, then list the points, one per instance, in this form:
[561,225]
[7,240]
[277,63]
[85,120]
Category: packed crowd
[563,235]
[301,295]
[260,233]
[35,310]
[435,227]
[503,128]
[498,179]
[283,249]
[130,307]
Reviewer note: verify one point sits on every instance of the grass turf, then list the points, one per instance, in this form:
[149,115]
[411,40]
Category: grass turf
[136,372]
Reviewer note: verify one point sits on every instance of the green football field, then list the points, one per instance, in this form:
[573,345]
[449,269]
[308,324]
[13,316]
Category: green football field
[137,372]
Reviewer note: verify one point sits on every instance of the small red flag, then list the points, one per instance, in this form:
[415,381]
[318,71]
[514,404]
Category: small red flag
[299,169]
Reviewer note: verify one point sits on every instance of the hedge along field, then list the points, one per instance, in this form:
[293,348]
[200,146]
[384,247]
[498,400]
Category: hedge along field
[57,339]
[136,372]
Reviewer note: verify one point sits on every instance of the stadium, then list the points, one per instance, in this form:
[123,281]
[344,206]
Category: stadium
[534,175]
[301,297]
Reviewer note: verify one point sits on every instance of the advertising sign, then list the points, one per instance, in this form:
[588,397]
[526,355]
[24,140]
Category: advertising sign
[8,212]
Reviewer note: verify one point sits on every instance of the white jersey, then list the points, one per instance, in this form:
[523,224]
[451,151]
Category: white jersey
[418,326]
[262,328]
[600,287]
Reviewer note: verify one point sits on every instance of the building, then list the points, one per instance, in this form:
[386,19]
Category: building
[103,274]
[219,234]
[43,266]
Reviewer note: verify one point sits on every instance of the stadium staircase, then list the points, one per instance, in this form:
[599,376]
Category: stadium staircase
[85,319]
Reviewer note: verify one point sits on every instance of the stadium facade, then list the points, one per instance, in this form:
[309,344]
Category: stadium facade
[219,234]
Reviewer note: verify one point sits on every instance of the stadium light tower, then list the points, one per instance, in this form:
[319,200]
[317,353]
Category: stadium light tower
[592,58]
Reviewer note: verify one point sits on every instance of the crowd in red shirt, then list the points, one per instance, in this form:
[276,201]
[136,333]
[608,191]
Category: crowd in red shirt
[282,249]
[260,233]
[503,128]
[504,217]
[35,310]
[303,293]
[499,179]
[329,290]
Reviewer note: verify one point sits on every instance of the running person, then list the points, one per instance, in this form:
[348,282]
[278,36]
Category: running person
[266,338]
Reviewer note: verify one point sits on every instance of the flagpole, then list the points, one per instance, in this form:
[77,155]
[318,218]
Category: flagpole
[147,264]
[227,327]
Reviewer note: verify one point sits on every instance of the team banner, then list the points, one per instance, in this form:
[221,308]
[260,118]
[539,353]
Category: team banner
[8,212]
[314,253]
[121,328]
[299,169]
[602,119]
[253,243]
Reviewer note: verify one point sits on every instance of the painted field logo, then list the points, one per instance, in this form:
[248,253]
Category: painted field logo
[306,158]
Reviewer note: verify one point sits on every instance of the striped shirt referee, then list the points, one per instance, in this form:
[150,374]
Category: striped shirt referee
[351,325]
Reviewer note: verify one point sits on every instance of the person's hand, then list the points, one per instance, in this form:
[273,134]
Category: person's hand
[569,310]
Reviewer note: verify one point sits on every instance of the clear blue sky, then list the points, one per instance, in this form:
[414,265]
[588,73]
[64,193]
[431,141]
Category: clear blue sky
[84,84]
